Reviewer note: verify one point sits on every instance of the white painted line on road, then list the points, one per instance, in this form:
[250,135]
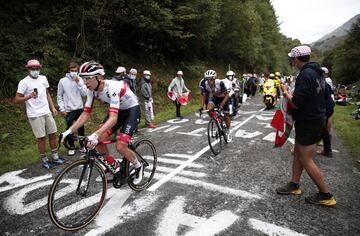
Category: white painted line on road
[271,229]
[178,162]
[208,186]
[183,172]
[185,156]
[189,161]
[172,128]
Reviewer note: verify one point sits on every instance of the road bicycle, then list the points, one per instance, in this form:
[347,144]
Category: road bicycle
[79,191]
[216,131]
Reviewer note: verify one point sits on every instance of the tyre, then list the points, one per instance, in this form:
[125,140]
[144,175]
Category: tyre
[77,195]
[214,137]
[146,153]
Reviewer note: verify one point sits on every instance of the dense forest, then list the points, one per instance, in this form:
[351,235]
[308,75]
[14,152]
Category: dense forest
[156,33]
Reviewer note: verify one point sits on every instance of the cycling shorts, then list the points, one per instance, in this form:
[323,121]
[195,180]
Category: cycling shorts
[216,101]
[127,123]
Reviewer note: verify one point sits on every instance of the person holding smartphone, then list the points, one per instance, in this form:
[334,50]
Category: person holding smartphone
[33,91]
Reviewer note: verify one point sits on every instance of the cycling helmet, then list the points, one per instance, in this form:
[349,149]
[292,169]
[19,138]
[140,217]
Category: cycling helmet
[210,74]
[230,73]
[277,74]
[325,70]
[272,76]
[91,68]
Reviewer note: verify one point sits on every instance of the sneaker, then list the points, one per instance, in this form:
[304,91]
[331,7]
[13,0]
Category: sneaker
[289,188]
[58,161]
[151,126]
[46,164]
[323,199]
[229,137]
[323,153]
[139,172]
[71,152]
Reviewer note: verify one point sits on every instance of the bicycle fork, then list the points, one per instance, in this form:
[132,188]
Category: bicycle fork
[89,166]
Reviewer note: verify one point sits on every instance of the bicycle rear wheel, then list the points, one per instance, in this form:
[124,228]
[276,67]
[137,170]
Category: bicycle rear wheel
[214,137]
[77,195]
[146,153]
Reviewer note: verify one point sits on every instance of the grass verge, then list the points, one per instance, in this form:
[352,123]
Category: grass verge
[348,129]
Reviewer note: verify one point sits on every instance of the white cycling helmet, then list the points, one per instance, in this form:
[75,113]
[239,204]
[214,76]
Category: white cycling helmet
[230,73]
[210,74]
[91,68]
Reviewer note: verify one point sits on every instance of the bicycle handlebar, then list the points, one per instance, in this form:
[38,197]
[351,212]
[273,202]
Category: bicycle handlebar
[81,139]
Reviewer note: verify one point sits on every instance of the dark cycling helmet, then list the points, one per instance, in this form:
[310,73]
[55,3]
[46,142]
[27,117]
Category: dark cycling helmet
[210,74]
[91,68]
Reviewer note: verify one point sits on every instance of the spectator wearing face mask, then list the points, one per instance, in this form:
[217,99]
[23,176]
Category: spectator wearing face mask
[70,91]
[146,93]
[177,88]
[132,79]
[33,91]
[120,75]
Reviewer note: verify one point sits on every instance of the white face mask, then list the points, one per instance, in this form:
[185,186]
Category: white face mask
[132,77]
[35,73]
[73,74]
[147,76]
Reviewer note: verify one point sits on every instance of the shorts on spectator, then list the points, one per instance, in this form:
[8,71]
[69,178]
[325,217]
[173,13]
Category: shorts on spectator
[309,132]
[43,125]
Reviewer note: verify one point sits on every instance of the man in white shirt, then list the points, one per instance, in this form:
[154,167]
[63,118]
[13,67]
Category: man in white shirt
[177,88]
[33,91]
[70,90]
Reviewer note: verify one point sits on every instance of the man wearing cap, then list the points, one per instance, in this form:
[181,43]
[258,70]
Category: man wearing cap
[177,87]
[120,74]
[33,91]
[146,93]
[308,102]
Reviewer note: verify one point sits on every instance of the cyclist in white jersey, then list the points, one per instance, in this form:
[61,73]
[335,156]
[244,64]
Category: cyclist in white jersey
[123,113]
[219,96]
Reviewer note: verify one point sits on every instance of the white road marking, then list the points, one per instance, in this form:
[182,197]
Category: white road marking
[13,180]
[194,132]
[245,134]
[172,128]
[178,121]
[260,117]
[178,162]
[174,216]
[116,213]
[183,172]
[185,156]
[208,186]
[271,229]
[196,156]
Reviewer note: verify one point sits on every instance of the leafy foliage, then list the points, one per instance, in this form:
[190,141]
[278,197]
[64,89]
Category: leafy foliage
[161,33]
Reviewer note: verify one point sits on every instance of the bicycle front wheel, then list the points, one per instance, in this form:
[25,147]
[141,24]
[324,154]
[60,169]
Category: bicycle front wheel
[146,153]
[214,136]
[77,195]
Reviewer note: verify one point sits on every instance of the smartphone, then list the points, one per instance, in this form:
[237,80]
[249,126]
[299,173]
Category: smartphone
[36,91]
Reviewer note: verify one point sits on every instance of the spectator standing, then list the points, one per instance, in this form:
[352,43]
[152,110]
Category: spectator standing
[33,91]
[177,87]
[120,75]
[330,104]
[308,101]
[70,91]
[146,93]
[132,79]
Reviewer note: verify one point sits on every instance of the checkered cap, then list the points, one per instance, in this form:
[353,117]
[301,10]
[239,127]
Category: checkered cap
[300,51]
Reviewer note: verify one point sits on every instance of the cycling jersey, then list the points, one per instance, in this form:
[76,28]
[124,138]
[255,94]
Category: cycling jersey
[232,84]
[218,89]
[117,93]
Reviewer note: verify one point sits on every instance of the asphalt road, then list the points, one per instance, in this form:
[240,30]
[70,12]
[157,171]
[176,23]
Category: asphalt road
[197,193]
